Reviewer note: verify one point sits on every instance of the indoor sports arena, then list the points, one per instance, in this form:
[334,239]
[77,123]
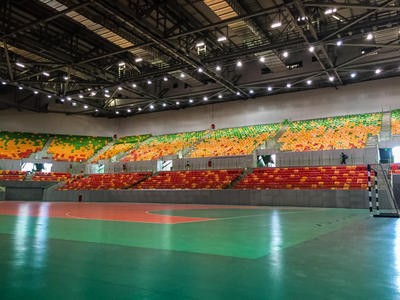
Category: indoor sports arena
[199,149]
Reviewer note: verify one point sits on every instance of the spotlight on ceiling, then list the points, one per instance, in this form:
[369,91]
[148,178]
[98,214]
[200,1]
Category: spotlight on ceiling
[285,54]
[276,24]
[205,98]
[220,96]
[369,36]
[134,85]
[331,78]
[288,85]
[165,78]
[151,106]
[35,92]
[119,88]
[353,75]
[190,100]
[200,44]
[311,49]
[21,65]
[262,59]
[149,82]
[221,39]
[128,110]
[218,68]
[269,88]
[85,106]
[378,71]
[239,63]
[339,43]
[251,91]
[46,74]
[164,104]
[309,82]
[138,59]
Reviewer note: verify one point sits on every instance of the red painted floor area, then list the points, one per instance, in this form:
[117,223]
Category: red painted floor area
[126,212]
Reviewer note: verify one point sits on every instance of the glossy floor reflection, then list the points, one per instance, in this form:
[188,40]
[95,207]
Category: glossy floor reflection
[218,252]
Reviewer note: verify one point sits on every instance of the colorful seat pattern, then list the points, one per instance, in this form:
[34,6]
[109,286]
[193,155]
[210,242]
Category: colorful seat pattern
[76,148]
[112,181]
[199,179]
[51,176]
[395,116]
[235,141]
[321,178]
[163,145]
[12,175]
[121,145]
[18,145]
[345,132]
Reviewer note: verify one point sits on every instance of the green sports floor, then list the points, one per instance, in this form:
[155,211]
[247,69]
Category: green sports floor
[161,251]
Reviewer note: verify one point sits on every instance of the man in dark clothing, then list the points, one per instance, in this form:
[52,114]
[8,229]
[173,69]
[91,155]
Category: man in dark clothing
[343,158]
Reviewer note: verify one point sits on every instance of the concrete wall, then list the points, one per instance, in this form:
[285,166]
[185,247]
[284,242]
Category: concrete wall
[306,198]
[323,158]
[12,120]
[364,97]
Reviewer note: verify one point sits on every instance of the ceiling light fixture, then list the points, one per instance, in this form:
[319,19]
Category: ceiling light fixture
[220,96]
[190,100]
[221,39]
[21,65]
[369,36]
[35,92]
[139,59]
[269,88]
[46,74]
[200,44]
[353,75]
[262,59]
[205,98]
[239,63]
[309,82]
[311,49]
[288,85]
[134,85]
[276,24]
[165,78]
[331,78]
[151,106]
[330,11]
[218,68]
[378,71]
[339,43]
[285,54]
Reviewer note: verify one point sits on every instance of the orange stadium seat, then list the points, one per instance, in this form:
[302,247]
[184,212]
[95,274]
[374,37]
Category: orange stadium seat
[199,179]
[345,132]
[322,178]
[235,141]
[112,181]
[51,176]
[163,145]
[12,175]
[18,145]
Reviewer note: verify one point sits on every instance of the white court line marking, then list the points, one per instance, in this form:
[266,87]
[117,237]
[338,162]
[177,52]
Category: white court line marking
[263,215]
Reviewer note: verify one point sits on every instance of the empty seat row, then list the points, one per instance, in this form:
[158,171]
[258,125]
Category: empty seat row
[206,179]
[335,177]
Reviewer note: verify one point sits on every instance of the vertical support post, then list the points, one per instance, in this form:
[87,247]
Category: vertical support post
[369,187]
[376,192]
